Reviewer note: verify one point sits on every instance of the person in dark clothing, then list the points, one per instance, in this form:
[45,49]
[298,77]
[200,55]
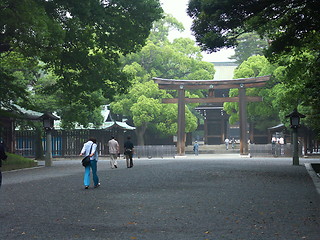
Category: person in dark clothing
[3,156]
[128,152]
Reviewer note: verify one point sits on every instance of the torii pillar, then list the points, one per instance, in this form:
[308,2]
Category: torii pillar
[244,150]
[181,136]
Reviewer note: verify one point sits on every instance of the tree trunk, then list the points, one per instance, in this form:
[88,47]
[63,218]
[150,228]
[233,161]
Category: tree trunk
[140,134]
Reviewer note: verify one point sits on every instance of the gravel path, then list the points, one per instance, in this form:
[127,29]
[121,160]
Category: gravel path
[205,197]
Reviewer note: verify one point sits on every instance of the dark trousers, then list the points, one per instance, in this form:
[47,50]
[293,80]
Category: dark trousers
[129,159]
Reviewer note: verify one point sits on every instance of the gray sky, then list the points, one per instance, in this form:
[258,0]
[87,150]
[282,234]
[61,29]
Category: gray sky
[178,9]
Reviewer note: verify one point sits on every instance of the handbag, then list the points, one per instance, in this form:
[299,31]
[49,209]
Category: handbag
[128,151]
[86,160]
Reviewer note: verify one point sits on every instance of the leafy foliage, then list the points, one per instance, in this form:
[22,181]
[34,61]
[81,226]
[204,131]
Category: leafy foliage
[261,114]
[249,44]
[179,59]
[287,23]
[16,75]
[292,28]
[81,42]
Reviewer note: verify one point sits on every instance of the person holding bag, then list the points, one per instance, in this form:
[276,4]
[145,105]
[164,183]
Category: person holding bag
[90,149]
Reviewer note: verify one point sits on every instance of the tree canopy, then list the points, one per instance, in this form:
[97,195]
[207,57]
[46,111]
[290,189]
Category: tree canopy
[292,29]
[79,41]
[179,59]
[249,44]
[287,24]
[261,114]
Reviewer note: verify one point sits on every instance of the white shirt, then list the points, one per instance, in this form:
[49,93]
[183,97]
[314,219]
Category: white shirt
[86,150]
[113,146]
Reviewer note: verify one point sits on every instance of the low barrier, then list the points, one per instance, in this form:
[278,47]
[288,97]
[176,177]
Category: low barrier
[155,151]
[275,150]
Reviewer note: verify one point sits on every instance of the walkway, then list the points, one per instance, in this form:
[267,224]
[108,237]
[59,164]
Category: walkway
[192,198]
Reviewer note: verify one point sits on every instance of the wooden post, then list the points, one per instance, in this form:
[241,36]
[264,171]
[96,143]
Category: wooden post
[295,157]
[48,158]
[243,121]
[181,122]
[205,129]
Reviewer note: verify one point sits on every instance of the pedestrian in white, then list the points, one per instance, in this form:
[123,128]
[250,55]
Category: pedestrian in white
[227,143]
[114,151]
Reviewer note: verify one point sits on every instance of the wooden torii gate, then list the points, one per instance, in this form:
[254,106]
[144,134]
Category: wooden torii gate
[211,85]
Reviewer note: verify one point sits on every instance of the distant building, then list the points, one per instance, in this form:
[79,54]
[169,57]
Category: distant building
[224,70]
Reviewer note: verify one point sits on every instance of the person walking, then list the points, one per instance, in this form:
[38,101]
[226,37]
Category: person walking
[196,148]
[226,141]
[3,156]
[113,150]
[128,152]
[233,143]
[90,149]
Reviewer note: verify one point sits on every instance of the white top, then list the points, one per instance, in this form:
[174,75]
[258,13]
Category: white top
[113,146]
[86,150]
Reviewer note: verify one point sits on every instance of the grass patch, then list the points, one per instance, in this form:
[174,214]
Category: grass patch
[14,162]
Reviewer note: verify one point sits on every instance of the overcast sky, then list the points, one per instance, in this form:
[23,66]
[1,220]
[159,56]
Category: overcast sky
[178,9]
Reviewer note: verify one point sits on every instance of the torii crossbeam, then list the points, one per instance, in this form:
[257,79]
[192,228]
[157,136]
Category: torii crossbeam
[211,85]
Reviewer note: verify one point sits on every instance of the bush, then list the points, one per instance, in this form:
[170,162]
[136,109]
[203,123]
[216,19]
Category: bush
[17,162]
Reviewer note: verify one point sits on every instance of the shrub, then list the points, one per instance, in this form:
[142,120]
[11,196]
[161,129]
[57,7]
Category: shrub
[17,162]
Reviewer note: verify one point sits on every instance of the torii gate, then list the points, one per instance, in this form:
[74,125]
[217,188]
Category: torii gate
[241,84]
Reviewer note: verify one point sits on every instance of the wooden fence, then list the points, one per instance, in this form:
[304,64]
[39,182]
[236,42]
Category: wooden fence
[275,150]
[69,144]
[155,151]
[66,143]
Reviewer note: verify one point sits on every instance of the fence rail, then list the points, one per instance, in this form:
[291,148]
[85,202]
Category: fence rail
[275,150]
[69,144]
[155,151]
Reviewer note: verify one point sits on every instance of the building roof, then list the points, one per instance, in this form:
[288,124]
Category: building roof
[117,124]
[108,121]
[27,114]
[277,128]
[32,115]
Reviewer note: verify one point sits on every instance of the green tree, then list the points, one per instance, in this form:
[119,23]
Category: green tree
[19,73]
[143,104]
[292,29]
[249,44]
[287,24]
[261,115]
[175,60]
[161,28]
[180,59]
[80,41]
